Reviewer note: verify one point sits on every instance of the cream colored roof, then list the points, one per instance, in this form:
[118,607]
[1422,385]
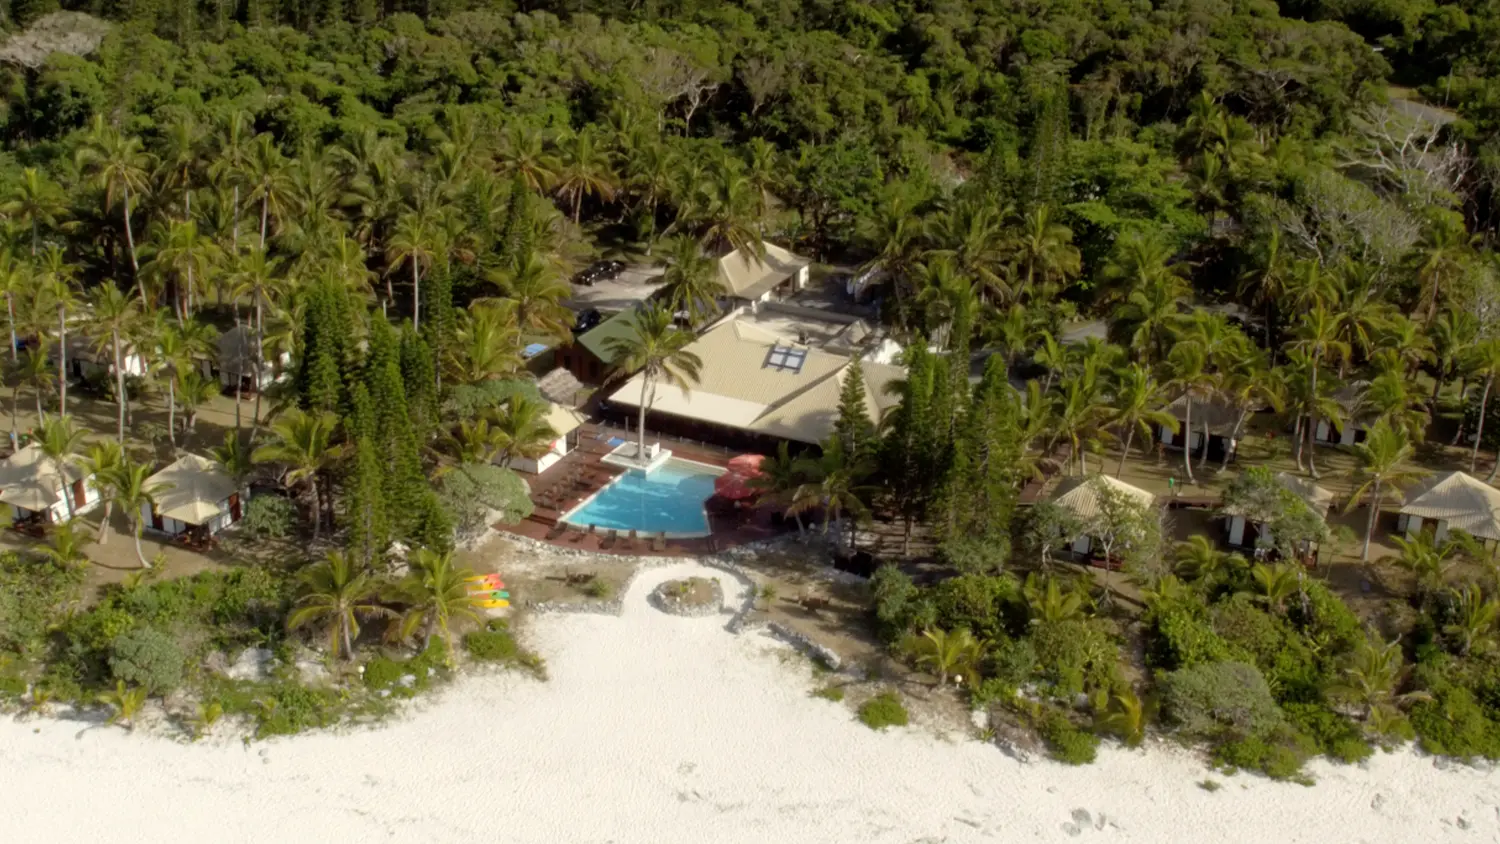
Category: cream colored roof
[563,420]
[190,489]
[1081,495]
[1317,498]
[1463,501]
[1221,417]
[748,276]
[737,389]
[31,479]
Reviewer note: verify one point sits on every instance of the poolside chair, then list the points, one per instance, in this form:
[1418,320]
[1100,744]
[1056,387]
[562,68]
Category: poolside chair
[659,542]
[609,540]
[557,530]
[630,542]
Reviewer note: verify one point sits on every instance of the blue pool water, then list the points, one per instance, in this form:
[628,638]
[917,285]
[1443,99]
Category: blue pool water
[669,499]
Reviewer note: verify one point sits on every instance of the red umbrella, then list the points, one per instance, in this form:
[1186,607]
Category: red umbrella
[747,464]
[732,486]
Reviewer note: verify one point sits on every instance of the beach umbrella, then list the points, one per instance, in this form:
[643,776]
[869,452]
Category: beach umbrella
[747,464]
[733,486]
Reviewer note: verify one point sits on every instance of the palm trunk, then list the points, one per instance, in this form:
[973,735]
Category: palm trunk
[172,412]
[265,216]
[1187,439]
[15,412]
[1297,440]
[1364,554]
[62,361]
[140,554]
[10,322]
[348,638]
[1463,394]
[317,510]
[234,242]
[119,386]
[260,355]
[1312,424]
[135,264]
[640,449]
[1125,452]
[1484,408]
[109,506]
[416,298]
[1234,437]
[1203,458]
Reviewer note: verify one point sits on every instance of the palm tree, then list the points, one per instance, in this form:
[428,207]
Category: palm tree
[778,481]
[656,349]
[1137,405]
[178,347]
[533,290]
[1474,618]
[1439,259]
[1078,412]
[129,485]
[1317,337]
[691,280]
[236,457]
[1187,376]
[437,595]
[1200,559]
[1382,465]
[34,370]
[186,256]
[970,235]
[61,443]
[1453,333]
[231,155]
[947,651]
[337,591]
[1047,603]
[1045,253]
[64,548]
[523,153]
[35,200]
[302,442]
[266,181]
[586,170]
[835,481]
[120,166]
[488,345]
[523,430]
[182,159]
[1373,674]
[54,293]
[115,319]
[1428,559]
[1484,362]
[417,241]
[100,462]
[1274,584]
[194,390]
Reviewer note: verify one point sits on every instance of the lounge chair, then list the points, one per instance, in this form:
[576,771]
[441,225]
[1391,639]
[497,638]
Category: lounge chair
[557,530]
[659,542]
[578,534]
[630,542]
[609,540]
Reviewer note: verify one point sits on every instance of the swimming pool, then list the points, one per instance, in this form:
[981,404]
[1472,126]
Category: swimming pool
[668,499]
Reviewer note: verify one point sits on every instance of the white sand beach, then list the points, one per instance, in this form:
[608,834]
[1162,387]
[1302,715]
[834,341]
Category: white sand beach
[673,731]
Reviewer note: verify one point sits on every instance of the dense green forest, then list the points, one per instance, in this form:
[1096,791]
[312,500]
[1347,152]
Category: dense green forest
[396,196]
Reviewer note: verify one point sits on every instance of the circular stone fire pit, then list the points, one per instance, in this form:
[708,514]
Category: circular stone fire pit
[692,596]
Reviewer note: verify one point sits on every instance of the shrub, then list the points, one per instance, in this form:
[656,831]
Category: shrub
[31,593]
[974,601]
[1075,656]
[597,588]
[145,656]
[471,491]
[1454,724]
[1066,741]
[1181,637]
[1219,699]
[1013,662]
[468,401]
[899,605]
[269,517]
[1280,760]
[833,693]
[492,646]
[979,555]
[883,710]
[383,673]
[289,708]
[1332,734]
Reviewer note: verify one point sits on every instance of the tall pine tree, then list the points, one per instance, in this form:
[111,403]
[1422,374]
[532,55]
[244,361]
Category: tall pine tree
[419,376]
[364,492]
[853,425]
[405,484]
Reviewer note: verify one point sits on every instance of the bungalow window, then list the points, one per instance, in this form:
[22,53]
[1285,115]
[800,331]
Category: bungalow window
[786,359]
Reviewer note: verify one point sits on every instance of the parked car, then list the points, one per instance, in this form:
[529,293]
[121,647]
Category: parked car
[587,320]
[598,271]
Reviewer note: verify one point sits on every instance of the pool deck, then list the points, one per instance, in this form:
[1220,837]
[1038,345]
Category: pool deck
[582,472]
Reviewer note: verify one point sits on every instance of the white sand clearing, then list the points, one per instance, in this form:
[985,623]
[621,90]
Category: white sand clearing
[668,730]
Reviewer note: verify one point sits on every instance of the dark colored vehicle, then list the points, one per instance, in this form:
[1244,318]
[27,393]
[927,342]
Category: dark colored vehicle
[587,320]
[598,271]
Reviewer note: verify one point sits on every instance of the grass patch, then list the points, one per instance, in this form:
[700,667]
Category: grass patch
[833,693]
[884,710]
[1210,785]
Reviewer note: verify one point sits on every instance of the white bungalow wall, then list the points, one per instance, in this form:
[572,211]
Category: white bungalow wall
[1412,525]
[58,512]
[545,462]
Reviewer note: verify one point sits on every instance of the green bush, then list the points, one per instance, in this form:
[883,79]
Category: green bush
[1278,759]
[833,693]
[1332,734]
[977,555]
[1066,742]
[974,601]
[900,607]
[1454,724]
[492,646]
[597,588]
[145,656]
[289,708]
[471,491]
[269,517]
[1075,656]
[884,710]
[1181,636]
[32,594]
[1219,700]
[384,673]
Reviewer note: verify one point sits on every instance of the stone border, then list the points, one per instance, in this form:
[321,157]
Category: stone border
[659,599]
[803,645]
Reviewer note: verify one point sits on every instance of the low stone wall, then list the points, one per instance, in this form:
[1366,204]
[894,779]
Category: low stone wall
[671,606]
[804,645]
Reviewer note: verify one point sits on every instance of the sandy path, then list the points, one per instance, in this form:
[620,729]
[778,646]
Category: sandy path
[665,730]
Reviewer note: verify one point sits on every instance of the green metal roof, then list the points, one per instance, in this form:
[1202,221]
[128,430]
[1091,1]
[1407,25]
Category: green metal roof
[596,339]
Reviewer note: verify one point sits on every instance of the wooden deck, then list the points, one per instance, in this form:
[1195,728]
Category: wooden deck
[582,472]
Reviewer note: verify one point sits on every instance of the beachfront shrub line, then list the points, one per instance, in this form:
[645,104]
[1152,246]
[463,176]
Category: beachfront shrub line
[1266,672]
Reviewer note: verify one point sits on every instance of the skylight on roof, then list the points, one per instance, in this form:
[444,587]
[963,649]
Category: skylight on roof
[786,359]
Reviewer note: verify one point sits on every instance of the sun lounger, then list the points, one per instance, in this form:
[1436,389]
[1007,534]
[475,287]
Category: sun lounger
[659,542]
[630,541]
[557,530]
[609,540]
